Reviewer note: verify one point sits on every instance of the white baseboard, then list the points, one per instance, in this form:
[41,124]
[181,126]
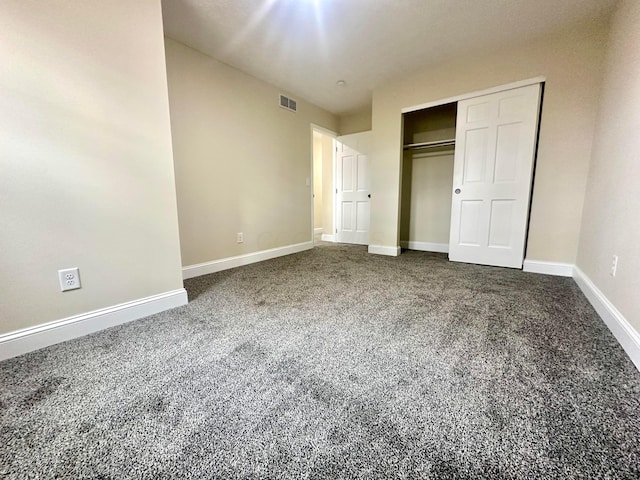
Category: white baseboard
[27,340]
[384,250]
[328,238]
[548,268]
[318,231]
[426,246]
[626,335]
[196,270]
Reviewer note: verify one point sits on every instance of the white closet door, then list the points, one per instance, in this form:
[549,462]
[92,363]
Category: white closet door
[492,173]
[352,188]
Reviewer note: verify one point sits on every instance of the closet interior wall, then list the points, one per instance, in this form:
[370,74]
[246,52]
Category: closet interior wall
[427,178]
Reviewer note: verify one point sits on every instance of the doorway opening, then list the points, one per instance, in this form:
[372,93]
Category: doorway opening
[323,152]
[427,178]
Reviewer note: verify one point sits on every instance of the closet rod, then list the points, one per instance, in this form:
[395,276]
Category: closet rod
[438,143]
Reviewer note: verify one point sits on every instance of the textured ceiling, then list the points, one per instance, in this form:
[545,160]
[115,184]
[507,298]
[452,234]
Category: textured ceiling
[305,46]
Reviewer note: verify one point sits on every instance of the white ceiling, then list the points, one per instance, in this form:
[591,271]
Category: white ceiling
[305,46]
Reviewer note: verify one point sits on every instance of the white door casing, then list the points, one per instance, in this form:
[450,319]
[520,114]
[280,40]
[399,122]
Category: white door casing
[493,167]
[352,207]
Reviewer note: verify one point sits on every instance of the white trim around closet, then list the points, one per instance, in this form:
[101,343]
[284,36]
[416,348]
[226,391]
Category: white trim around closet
[477,93]
[548,268]
[384,250]
[426,246]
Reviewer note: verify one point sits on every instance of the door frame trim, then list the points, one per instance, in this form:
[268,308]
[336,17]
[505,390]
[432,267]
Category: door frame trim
[477,93]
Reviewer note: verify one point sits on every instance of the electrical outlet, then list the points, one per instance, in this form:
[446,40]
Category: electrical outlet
[614,265]
[69,279]
[240,237]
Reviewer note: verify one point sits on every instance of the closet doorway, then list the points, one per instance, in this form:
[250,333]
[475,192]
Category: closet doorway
[427,178]
[492,141]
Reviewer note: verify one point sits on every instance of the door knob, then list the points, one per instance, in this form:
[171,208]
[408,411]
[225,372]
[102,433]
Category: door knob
[369,195]
[458,191]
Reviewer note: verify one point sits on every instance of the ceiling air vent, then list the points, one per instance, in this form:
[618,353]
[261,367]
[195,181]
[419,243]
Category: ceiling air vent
[288,103]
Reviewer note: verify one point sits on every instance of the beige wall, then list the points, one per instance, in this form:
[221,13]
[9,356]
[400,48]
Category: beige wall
[611,218]
[86,167]
[572,64]
[241,161]
[356,122]
[427,179]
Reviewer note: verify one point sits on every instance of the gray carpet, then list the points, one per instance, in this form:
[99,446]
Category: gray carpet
[333,363]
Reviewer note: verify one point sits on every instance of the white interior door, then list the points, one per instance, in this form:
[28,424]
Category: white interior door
[492,173]
[352,188]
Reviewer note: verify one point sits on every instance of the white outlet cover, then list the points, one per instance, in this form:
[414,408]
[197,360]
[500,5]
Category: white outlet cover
[69,279]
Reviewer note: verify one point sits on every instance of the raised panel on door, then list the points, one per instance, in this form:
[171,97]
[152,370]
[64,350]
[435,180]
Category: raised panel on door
[508,140]
[512,106]
[475,156]
[493,165]
[347,173]
[362,173]
[362,216]
[477,111]
[346,223]
[500,223]
[469,223]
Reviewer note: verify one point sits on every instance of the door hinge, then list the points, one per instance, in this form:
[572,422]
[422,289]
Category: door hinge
[336,230]
[336,191]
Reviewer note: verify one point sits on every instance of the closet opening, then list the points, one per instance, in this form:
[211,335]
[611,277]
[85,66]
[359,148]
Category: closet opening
[468,163]
[427,177]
